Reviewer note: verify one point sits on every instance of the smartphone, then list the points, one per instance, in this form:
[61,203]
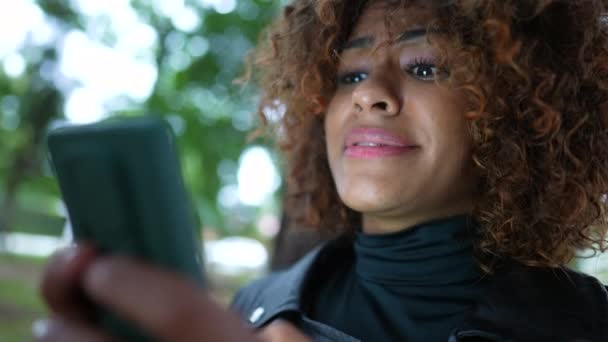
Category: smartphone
[123,188]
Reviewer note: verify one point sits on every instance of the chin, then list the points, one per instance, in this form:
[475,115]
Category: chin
[367,203]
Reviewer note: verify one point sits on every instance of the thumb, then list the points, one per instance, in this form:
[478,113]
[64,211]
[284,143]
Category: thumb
[280,330]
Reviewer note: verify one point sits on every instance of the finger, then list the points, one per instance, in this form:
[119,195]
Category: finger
[62,278]
[60,330]
[161,303]
[280,330]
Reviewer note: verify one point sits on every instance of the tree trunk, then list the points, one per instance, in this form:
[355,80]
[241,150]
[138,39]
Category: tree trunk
[40,109]
[292,243]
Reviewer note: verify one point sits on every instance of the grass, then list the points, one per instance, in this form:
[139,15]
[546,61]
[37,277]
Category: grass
[20,306]
[16,331]
[20,303]
[18,260]
[23,295]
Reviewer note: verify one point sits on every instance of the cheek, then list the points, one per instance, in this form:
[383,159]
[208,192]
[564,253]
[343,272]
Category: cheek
[332,125]
[439,117]
[453,130]
[452,140]
[449,130]
[441,112]
[335,120]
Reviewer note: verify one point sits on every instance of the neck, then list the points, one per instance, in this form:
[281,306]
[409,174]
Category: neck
[384,224]
[433,253]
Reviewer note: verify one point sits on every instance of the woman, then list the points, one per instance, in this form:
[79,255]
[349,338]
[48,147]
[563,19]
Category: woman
[458,152]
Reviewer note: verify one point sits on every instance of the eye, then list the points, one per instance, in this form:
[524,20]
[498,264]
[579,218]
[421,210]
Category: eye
[352,78]
[425,70]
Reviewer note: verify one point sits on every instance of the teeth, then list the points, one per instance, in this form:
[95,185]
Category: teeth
[368,144]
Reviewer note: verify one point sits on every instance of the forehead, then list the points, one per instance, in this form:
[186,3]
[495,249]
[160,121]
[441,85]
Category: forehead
[373,19]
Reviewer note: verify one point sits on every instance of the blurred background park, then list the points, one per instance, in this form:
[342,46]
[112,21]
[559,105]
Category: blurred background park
[81,61]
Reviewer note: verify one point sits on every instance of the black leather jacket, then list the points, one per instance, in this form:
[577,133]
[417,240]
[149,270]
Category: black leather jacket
[520,303]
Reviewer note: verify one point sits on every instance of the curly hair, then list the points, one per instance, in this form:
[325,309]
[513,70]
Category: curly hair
[535,75]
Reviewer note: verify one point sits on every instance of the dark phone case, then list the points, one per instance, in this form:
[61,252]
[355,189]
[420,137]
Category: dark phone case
[122,185]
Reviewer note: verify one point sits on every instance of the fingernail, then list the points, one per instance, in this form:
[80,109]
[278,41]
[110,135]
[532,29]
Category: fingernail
[40,328]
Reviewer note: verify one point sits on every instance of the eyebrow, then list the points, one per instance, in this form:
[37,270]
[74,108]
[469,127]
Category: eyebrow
[406,36]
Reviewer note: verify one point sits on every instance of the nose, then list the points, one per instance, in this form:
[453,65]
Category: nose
[379,94]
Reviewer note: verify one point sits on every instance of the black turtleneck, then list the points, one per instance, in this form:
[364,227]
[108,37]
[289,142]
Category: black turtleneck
[412,285]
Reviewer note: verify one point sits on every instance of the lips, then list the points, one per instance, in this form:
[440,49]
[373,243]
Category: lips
[370,142]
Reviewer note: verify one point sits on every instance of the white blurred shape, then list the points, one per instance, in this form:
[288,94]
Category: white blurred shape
[275,112]
[140,37]
[168,8]
[17,18]
[220,6]
[14,65]
[84,106]
[234,255]
[30,244]
[122,15]
[198,46]
[45,32]
[225,6]
[186,19]
[109,72]
[257,176]
[179,60]
[229,256]
[228,196]
[175,41]
[268,225]
[94,8]
[120,12]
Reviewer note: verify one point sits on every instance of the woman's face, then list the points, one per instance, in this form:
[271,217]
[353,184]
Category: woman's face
[397,141]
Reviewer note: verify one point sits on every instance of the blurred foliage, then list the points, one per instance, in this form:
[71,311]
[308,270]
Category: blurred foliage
[20,304]
[194,91]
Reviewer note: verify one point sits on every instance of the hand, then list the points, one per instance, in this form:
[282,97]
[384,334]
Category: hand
[281,331]
[161,303]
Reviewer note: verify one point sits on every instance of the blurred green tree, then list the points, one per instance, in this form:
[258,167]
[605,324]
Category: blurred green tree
[196,53]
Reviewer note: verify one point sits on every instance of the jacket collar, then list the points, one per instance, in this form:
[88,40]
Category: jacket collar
[517,300]
[282,291]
